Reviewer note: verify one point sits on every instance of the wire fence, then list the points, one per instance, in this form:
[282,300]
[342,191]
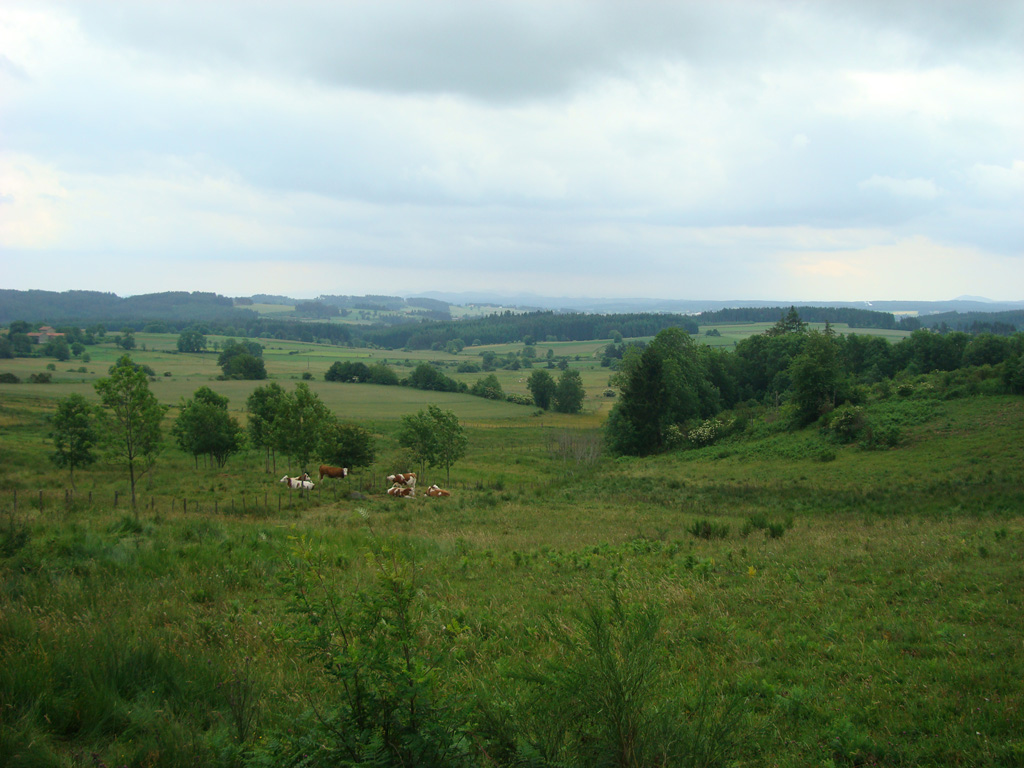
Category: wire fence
[254,503]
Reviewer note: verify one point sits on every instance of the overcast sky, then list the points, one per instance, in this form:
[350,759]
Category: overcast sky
[691,150]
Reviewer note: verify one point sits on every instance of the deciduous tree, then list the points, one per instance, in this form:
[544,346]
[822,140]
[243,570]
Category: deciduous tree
[347,445]
[299,424]
[191,340]
[542,387]
[133,423]
[434,437]
[569,392]
[205,428]
[74,434]
[265,405]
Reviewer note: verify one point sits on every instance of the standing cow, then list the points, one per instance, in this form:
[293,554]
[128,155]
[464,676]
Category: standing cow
[327,471]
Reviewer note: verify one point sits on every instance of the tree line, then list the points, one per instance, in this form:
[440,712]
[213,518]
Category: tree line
[672,389]
[564,395]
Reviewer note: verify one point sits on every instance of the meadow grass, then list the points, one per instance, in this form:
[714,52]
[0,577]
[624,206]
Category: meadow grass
[862,606]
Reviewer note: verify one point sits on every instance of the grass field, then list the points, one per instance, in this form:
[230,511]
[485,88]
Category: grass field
[853,606]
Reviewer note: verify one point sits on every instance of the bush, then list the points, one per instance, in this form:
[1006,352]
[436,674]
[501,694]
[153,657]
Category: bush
[9,378]
[40,378]
[708,432]
[845,424]
[389,709]
[608,699]
[705,529]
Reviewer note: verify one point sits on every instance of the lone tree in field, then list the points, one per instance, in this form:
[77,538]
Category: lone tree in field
[74,434]
[435,438]
[133,423]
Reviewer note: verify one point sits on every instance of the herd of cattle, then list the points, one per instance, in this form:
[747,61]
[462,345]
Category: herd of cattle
[403,484]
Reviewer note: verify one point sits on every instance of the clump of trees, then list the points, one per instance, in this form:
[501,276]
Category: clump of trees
[361,373]
[672,386]
[300,426]
[242,360]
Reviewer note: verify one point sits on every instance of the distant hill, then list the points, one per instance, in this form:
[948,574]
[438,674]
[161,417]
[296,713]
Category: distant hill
[96,307]
[695,306]
[180,309]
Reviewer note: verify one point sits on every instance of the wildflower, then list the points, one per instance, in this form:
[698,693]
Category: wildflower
[751,571]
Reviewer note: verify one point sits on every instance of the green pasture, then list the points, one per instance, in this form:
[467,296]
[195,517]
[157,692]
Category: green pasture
[854,606]
[734,332]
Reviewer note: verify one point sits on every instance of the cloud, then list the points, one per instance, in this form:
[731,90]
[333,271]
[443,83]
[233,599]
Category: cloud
[924,189]
[622,150]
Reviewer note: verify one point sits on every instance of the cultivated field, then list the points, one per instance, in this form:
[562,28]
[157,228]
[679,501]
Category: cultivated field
[828,604]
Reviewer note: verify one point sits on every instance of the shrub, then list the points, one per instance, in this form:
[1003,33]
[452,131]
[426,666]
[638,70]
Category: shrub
[388,708]
[41,378]
[608,699]
[9,378]
[845,424]
[705,529]
[708,432]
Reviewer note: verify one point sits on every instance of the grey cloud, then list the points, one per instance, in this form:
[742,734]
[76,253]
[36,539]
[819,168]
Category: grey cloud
[533,49]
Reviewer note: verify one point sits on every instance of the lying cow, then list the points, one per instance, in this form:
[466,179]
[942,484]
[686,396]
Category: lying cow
[399,490]
[332,471]
[405,480]
[302,483]
[435,491]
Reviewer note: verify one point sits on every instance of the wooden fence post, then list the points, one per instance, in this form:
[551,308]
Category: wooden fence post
[214,507]
[115,499]
[40,501]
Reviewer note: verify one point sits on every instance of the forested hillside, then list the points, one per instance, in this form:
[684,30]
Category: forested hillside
[95,307]
[541,326]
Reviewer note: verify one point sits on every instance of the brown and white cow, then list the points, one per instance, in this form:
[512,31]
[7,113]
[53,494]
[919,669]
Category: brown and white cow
[398,490]
[406,479]
[435,491]
[302,483]
[328,471]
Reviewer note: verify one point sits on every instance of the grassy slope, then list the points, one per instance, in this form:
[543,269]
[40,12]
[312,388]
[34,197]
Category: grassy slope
[882,626]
